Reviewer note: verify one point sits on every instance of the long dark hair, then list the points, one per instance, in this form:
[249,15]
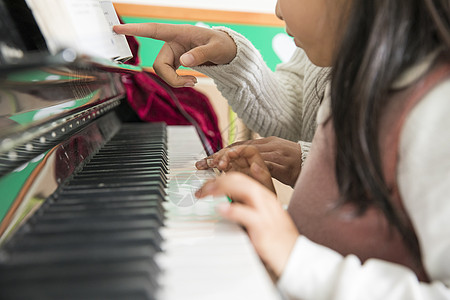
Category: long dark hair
[382,38]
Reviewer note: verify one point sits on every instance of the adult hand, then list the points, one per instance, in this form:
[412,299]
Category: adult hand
[245,159]
[283,158]
[185,45]
[269,227]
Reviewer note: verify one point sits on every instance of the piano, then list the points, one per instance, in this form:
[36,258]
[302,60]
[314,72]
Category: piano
[96,205]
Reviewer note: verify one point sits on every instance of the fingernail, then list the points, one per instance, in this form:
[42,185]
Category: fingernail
[223,208]
[187,59]
[201,164]
[205,190]
[189,84]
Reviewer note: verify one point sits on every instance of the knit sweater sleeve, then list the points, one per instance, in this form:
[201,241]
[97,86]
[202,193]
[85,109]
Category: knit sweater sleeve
[269,103]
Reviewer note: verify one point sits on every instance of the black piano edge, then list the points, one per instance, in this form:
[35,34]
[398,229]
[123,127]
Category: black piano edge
[66,57]
[17,148]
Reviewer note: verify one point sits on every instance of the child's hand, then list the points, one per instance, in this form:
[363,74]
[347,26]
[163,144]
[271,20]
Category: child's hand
[185,45]
[269,227]
[244,159]
[283,158]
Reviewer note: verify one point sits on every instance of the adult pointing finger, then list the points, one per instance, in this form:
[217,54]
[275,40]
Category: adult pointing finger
[185,45]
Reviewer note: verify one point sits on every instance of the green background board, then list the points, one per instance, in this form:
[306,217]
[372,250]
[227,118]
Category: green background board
[260,36]
[11,184]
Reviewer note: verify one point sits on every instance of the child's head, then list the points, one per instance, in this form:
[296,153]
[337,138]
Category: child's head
[321,26]
[315,25]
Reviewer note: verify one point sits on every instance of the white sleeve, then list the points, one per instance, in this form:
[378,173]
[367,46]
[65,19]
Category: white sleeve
[316,272]
[269,103]
[424,178]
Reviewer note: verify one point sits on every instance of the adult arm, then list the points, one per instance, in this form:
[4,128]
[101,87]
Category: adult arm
[281,103]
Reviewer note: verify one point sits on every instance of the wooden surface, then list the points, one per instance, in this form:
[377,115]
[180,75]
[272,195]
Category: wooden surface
[180,13]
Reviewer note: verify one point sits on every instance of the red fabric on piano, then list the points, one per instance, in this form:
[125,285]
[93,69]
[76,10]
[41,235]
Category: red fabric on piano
[149,96]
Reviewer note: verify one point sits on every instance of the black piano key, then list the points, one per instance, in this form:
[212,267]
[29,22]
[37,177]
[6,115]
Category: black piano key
[69,226]
[119,214]
[117,172]
[114,159]
[80,254]
[116,191]
[61,206]
[85,240]
[137,135]
[125,147]
[93,208]
[110,199]
[121,166]
[90,169]
[128,286]
[105,160]
[122,169]
[128,165]
[130,180]
[128,148]
[11,274]
[127,151]
[39,270]
[92,215]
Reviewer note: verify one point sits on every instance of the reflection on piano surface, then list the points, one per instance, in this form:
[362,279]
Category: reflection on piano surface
[96,207]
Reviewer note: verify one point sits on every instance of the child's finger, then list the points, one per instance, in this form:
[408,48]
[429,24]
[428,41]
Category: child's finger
[262,175]
[239,187]
[238,213]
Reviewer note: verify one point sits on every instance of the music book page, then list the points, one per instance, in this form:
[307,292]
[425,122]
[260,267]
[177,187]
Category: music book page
[83,25]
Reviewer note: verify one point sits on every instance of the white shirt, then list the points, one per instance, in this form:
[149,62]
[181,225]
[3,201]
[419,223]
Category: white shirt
[317,272]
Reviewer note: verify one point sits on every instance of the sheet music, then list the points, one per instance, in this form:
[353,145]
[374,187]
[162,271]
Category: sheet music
[119,41]
[83,25]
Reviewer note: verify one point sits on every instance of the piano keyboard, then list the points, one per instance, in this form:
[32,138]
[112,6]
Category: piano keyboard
[111,231]
[203,257]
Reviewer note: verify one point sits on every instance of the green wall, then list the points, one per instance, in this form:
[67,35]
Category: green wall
[260,36]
